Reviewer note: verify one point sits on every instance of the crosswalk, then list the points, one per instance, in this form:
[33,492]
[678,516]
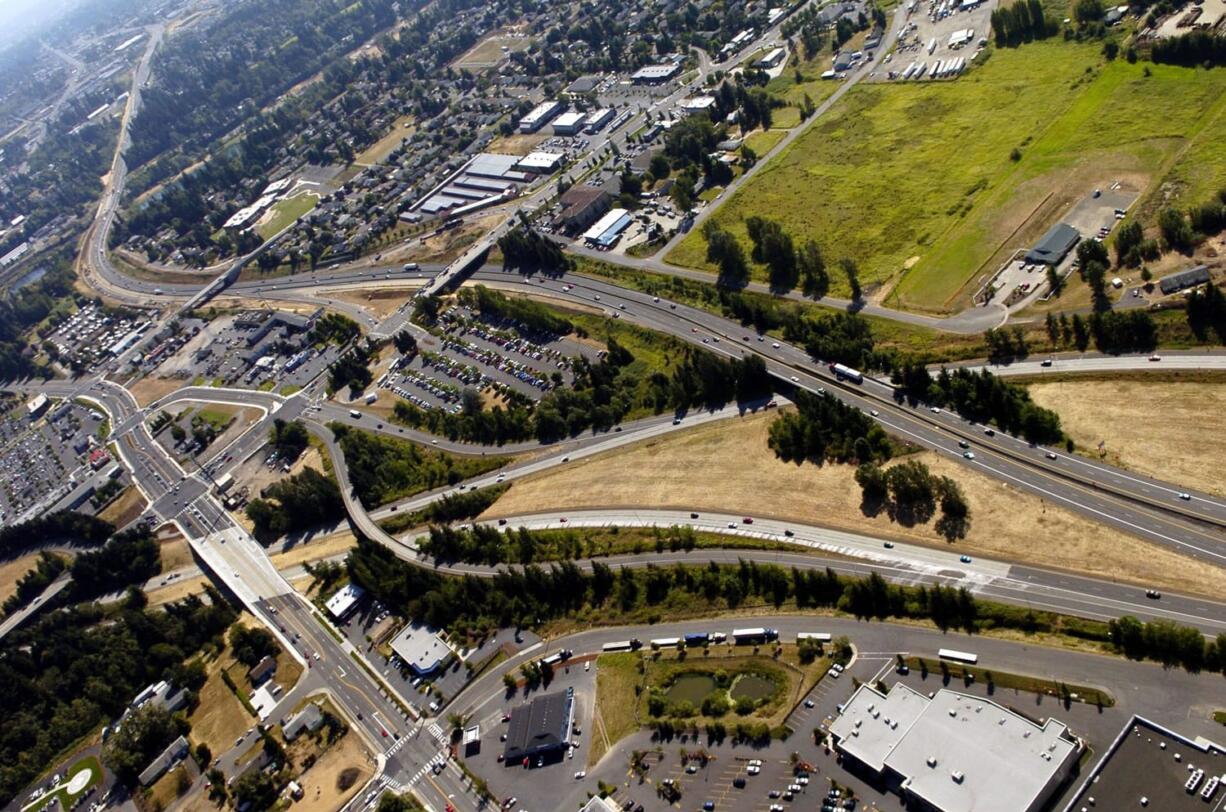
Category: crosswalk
[436,733]
[439,758]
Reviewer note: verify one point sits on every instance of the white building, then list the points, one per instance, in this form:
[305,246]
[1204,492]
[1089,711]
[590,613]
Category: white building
[568,123]
[955,752]
[540,116]
[539,162]
[655,74]
[696,104]
[421,648]
[344,601]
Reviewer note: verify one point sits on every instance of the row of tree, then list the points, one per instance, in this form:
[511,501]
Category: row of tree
[825,429]
[525,313]
[787,265]
[1023,21]
[982,397]
[526,248]
[1191,49]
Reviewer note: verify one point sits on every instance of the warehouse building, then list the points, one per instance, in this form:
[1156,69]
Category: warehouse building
[568,123]
[954,752]
[486,179]
[772,60]
[1055,245]
[173,753]
[607,229]
[1184,280]
[655,74]
[541,728]
[541,115]
[582,205]
[597,119]
[421,649]
[1149,766]
[540,163]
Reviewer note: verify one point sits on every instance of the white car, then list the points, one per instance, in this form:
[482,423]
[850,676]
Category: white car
[775,344]
[579,776]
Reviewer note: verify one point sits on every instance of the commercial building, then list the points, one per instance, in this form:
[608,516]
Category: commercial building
[955,752]
[598,804]
[540,163]
[568,123]
[488,178]
[1151,767]
[655,74]
[421,648]
[37,405]
[1054,246]
[345,601]
[540,728]
[471,740]
[597,119]
[696,104]
[540,116]
[582,205]
[584,84]
[772,60]
[605,231]
[175,751]
[1184,280]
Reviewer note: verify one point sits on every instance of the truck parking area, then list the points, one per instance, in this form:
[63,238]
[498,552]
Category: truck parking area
[940,40]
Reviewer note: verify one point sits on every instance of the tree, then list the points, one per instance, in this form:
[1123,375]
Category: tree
[853,276]
[251,644]
[724,250]
[814,280]
[1176,230]
[142,736]
[258,790]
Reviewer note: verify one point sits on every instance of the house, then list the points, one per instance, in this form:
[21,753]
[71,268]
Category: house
[1184,280]
[262,670]
[173,753]
[307,720]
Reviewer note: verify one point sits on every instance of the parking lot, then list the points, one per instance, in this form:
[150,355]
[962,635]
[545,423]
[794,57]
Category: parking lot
[939,35]
[269,350]
[44,459]
[501,359]
[94,334]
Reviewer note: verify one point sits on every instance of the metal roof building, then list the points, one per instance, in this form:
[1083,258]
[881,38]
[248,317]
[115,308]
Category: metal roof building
[955,752]
[540,727]
[540,162]
[344,601]
[605,231]
[1055,245]
[568,123]
[540,116]
[1184,279]
[176,750]
[654,74]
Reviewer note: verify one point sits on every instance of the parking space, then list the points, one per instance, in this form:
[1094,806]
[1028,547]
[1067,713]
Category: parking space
[501,359]
[59,453]
[94,334]
[940,40]
[258,349]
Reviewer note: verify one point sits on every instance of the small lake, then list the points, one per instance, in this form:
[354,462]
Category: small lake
[754,686]
[692,688]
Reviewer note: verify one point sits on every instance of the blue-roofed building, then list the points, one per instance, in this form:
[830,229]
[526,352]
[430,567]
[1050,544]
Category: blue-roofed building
[607,229]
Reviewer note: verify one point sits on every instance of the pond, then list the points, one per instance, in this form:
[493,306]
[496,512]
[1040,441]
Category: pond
[754,686]
[692,688]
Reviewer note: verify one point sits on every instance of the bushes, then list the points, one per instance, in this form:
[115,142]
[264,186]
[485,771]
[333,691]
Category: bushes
[909,493]
[304,500]
[825,429]
[982,397]
[526,248]
[530,314]
[131,557]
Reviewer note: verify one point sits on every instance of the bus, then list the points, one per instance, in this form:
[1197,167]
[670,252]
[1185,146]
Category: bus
[622,645]
[958,656]
[556,657]
[754,636]
[847,373]
[821,637]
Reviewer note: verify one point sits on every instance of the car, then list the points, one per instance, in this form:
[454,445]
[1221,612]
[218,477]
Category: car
[775,345]
[990,432]
[562,520]
[672,306]
[788,532]
[774,793]
[809,703]
[621,307]
[579,776]
[1155,357]
[1187,497]
[566,459]
[1153,594]
[1051,455]
[509,802]
[597,297]
[693,515]
[731,525]
[315,656]
[970,455]
[1046,362]
[889,545]
[873,412]
[655,298]
[795,788]
[795,379]
[739,782]
[934,409]
[752,770]
[747,520]
[965,559]
[776,808]
[963,444]
[587,666]
[676,421]
[691,768]
[502,521]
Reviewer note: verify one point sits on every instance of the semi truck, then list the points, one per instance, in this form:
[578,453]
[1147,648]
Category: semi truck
[846,373]
[754,636]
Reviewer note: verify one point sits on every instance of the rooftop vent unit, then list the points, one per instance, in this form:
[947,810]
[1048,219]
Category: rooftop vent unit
[957,776]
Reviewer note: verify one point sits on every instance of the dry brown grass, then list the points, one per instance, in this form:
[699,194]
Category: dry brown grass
[13,569]
[1186,447]
[379,150]
[320,793]
[177,590]
[125,508]
[518,144]
[728,467]
[326,547]
[149,388]
[219,718]
[380,302]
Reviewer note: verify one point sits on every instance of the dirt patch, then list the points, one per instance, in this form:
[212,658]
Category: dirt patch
[518,144]
[177,591]
[125,508]
[727,467]
[149,389]
[381,302]
[1115,421]
[321,784]
[316,550]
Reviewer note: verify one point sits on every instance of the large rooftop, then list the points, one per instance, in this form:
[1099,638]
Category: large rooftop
[1151,762]
[541,726]
[955,751]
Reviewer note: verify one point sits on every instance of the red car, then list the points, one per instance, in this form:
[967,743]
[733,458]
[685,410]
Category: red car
[747,520]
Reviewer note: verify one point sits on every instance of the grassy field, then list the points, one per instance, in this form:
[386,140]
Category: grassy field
[285,212]
[401,129]
[920,174]
[728,467]
[763,141]
[1114,421]
[488,52]
[616,715]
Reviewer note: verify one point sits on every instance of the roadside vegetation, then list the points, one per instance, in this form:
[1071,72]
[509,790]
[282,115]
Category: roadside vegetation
[453,507]
[305,500]
[384,469]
